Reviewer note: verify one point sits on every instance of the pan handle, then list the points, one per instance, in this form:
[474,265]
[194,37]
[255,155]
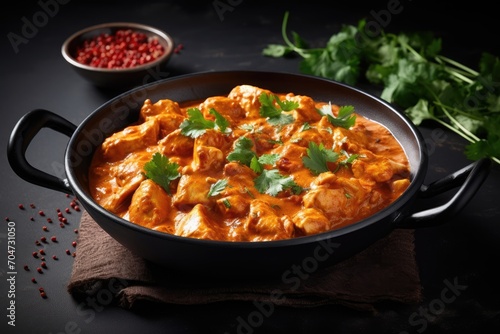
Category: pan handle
[23,133]
[469,179]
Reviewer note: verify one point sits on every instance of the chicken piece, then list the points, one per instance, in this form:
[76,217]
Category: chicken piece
[328,179]
[343,140]
[191,190]
[399,186]
[233,206]
[377,168]
[311,221]
[332,202]
[229,108]
[207,152]
[150,204]
[263,224]
[207,158]
[118,182]
[197,224]
[306,111]
[169,123]
[316,135]
[248,98]
[164,106]
[290,157]
[213,138]
[132,138]
[240,177]
[176,144]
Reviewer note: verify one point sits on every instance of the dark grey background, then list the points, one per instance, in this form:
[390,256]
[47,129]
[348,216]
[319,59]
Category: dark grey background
[465,248]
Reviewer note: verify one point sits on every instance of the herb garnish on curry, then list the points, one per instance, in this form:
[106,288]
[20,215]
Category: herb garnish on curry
[254,165]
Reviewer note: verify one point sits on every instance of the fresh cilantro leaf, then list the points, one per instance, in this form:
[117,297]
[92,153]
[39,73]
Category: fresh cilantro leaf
[348,160]
[272,108]
[221,122]
[269,159]
[196,125]
[242,151]
[271,182]
[217,187]
[161,171]
[306,126]
[255,165]
[414,76]
[226,203]
[318,157]
[345,118]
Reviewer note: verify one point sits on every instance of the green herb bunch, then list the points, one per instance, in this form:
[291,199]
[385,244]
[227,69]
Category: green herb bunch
[414,76]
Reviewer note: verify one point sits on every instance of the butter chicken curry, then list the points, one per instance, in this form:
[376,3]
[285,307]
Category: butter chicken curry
[254,165]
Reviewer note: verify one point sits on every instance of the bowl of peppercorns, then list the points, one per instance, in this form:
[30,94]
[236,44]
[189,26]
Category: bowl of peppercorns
[119,55]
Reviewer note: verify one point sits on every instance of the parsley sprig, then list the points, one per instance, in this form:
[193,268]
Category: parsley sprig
[414,75]
[161,171]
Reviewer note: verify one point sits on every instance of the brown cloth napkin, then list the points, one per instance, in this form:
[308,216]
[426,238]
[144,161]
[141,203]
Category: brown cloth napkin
[386,271]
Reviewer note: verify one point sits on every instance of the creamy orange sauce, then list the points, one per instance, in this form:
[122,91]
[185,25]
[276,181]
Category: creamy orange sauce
[329,200]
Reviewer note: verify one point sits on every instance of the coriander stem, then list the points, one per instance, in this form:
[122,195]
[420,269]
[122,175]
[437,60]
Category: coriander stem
[460,76]
[458,65]
[460,126]
[287,40]
[450,127]
[497,160]
[412,50]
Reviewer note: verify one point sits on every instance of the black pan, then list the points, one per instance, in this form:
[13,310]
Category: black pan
[230,259]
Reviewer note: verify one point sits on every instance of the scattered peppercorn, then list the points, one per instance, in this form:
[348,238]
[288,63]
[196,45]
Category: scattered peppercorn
[178,48]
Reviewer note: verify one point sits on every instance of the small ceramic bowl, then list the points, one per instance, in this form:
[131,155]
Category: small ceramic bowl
[129,64]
